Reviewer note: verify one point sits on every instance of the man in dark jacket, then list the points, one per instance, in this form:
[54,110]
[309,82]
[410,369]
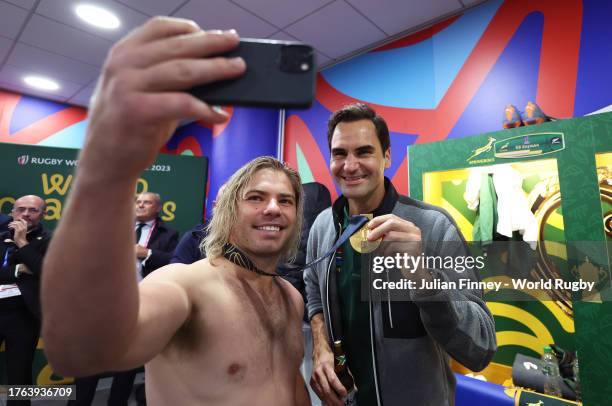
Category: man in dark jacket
[22,248]
[188,249]
[155,241]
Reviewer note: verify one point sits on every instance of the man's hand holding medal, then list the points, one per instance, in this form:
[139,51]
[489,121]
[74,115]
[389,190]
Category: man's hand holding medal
[400,237]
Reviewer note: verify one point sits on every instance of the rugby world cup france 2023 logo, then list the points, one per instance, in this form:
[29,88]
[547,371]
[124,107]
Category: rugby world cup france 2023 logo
[23,159]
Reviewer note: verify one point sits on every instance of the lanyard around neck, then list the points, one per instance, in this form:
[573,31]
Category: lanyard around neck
[146,241]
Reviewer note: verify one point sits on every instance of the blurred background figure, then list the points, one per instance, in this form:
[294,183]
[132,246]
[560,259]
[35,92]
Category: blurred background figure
[23,244]
[188,249]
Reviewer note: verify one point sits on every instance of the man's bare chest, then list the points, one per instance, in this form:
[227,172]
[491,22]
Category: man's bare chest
[242,336]
[244,317]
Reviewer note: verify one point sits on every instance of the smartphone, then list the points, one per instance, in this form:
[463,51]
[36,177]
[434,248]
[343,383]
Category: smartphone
[278,74]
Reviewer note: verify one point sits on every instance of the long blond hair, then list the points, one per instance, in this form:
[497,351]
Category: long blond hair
[225,211]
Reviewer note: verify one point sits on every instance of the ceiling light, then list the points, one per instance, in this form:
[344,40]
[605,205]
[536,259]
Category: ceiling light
[42,83]
[97,16]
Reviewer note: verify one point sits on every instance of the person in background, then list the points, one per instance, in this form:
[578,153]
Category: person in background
[397,351]
[188,249]
[155,241]
[23,245]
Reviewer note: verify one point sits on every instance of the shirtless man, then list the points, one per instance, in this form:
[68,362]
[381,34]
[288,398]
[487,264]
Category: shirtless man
[210,333]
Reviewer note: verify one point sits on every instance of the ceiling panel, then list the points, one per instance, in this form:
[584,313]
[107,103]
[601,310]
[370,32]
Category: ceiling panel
[63,11]
[283,36]
[61,39]
[153,7]
[27,4]
[282,13]
[56,66]
[322,59]
[395,16]
[55,42]
[340,30]
[83,96]
[31,92]
[11,20]
[14,75]
[5,45]
[223,15]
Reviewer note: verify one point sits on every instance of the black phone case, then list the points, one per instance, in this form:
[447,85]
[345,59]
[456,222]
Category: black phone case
[264,84]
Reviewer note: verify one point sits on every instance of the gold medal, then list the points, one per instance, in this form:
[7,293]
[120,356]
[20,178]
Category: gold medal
[359,240]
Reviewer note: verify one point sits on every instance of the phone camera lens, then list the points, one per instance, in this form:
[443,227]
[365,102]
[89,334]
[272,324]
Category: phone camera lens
[296,58]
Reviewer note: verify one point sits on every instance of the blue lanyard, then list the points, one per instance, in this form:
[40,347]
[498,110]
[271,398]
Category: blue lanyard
[6,256]
[354,224]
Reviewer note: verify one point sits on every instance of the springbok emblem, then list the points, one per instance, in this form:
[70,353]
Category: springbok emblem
[483,149]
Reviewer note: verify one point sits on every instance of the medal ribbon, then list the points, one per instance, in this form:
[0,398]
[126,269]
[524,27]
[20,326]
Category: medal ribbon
[354,224]
[146,242]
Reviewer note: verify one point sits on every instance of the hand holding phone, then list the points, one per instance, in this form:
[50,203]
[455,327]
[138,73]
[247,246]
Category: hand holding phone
[278,74]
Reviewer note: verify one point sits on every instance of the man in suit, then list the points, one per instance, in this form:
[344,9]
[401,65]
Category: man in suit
[155,243]
[22,248]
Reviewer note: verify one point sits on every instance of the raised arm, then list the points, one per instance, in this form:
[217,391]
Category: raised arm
[165,306]
[89,294]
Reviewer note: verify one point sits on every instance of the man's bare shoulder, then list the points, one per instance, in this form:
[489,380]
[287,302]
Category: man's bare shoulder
[203,272]
[294,294]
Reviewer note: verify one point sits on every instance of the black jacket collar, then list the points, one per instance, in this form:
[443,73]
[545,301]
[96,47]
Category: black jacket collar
[35,232]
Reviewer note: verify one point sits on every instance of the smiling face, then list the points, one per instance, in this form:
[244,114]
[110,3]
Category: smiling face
[266,216]
[358,164]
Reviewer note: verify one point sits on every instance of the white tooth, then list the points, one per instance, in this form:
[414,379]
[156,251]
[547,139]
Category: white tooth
[269,228]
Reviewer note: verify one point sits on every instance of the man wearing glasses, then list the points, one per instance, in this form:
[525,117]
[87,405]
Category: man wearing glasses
[22,248]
